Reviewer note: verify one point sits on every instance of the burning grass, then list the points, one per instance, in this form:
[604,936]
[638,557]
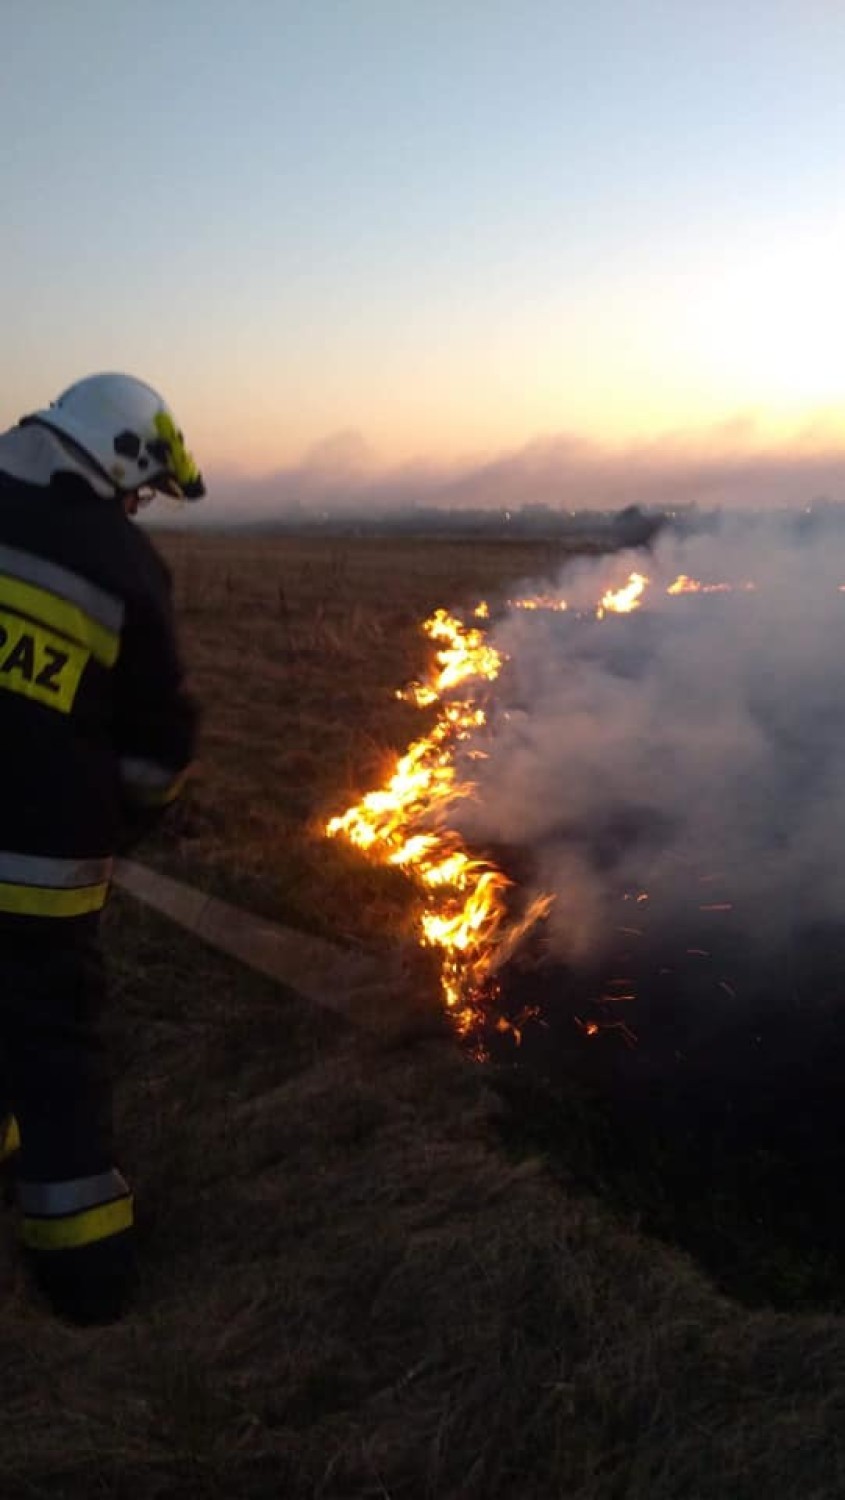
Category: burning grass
[405,823]
[352,1287]
[716,1068]
[465,917]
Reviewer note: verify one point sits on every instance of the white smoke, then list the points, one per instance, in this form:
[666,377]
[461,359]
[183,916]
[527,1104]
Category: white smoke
[731,462]
[693,750]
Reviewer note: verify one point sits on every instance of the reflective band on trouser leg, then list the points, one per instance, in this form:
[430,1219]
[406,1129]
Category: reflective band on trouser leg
[30,901]
[35,885]
[10,1137]
[73,1214]
[74,1231]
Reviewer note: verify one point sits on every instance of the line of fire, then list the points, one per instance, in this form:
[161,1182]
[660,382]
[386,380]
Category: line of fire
[470,916]
[476,915]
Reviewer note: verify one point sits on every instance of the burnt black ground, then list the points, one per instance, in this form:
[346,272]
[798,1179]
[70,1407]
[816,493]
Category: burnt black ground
[716,1117]
[710,1105]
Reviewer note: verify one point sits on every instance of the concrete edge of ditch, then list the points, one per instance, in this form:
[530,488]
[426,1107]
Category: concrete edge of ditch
[339,979]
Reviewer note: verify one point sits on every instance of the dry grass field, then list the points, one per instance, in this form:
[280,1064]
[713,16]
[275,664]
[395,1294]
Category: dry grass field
[295,649]
[352,1287]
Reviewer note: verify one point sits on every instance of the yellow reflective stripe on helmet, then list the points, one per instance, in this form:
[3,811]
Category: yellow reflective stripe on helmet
[74,1230]
[62,615]
[51,901]
[182,465]
[10,1138]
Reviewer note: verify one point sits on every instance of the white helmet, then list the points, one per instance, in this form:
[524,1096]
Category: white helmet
[130,434]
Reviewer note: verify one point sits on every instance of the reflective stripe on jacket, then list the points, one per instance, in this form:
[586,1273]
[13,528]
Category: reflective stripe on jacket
[96,726]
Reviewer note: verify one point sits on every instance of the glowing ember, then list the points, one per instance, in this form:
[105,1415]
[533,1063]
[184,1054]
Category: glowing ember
[623,600]
[514,1027]
[540,601]
[590,1028]
[686,585]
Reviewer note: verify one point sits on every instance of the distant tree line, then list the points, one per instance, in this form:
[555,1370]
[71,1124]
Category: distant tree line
[631,527]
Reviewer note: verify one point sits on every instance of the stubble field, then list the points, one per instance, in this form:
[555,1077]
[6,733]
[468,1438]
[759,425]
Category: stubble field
[356,1282]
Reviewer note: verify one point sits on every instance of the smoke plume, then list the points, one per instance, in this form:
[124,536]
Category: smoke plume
[730,463]
[686,758]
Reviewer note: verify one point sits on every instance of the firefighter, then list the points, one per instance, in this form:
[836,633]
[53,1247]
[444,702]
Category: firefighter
[97,732]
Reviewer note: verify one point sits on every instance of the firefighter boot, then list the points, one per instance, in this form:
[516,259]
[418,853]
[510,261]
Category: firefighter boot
[79,1246]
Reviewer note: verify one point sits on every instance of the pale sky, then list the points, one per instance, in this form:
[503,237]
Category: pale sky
[453,227]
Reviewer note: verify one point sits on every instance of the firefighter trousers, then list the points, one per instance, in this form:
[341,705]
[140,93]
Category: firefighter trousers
[75,1207]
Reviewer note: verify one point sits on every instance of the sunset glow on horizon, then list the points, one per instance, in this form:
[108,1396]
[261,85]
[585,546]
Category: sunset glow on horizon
[373,236]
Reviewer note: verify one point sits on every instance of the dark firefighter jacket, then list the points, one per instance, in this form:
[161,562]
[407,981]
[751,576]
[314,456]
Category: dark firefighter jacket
[96,729]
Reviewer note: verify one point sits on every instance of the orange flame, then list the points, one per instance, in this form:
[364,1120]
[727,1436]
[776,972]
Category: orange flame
[685,585]
[465,915]
[622,601]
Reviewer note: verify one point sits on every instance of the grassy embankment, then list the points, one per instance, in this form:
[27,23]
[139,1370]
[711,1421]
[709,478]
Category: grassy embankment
[352,1288]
